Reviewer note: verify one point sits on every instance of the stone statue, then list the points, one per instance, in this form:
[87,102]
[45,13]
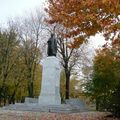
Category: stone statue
[52,46]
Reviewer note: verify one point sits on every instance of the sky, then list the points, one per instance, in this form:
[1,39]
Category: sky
[97,41]
[13,8]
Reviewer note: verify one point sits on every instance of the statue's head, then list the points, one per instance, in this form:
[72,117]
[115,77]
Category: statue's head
[52,34]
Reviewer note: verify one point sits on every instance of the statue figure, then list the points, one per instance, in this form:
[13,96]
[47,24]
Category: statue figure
[52,46]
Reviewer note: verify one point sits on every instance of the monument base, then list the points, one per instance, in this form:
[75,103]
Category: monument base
[49,100]
[50,93]
[31,100]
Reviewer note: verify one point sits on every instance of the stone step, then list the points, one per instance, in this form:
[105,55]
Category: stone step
[32,107]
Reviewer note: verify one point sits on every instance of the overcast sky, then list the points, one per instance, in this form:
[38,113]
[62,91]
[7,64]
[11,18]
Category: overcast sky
[13,8]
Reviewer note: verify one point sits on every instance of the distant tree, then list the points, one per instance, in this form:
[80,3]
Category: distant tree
[9,54]
[69,59]
[30,30]
[16,79]
[20,59]
[75,90]
[31,56]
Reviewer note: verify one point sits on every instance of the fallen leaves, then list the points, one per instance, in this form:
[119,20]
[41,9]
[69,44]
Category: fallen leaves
[13,115]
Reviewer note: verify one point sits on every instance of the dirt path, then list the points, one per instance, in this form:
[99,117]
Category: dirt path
[18,115]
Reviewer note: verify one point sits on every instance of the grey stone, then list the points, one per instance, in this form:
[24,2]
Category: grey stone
[50,89]
[77,103]
[63,108]
[31,100]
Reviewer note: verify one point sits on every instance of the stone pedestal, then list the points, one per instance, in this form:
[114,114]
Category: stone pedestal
[50,89]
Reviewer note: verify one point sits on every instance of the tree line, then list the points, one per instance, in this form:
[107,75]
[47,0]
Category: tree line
[20,55]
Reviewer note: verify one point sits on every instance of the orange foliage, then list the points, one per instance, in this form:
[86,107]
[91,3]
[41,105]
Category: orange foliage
[85,17]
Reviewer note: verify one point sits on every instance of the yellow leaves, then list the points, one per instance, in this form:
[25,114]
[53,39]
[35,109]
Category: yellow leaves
[117,6]
[110,1]
[105,1]
[111,6]
[90,16]
[75,21]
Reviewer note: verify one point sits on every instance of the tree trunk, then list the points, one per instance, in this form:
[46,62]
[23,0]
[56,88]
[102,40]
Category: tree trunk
[67,73]
[12,98]
[0,96]
[0,101]
[97,104]
[30,89]
[30,84]
[4,100]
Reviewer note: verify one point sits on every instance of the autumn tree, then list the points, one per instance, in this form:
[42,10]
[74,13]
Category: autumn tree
[74,91]
[30,30]
[31,56]
[20,57]
[16,79]
[69,58]
[9,54]
[85,18]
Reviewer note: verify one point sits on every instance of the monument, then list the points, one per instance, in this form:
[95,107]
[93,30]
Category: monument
[49,99]
[50,89]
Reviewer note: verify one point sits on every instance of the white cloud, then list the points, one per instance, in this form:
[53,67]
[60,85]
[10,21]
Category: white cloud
[97,41]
